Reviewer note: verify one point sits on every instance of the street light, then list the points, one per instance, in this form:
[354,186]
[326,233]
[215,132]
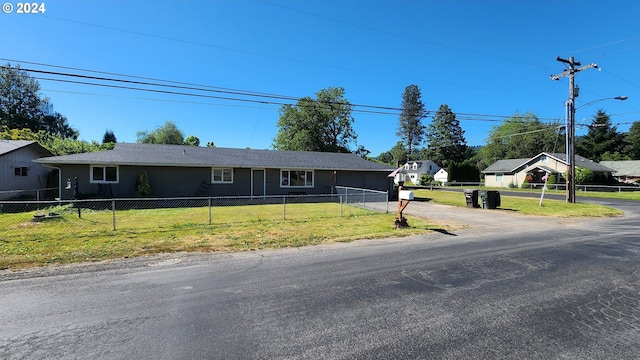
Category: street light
[621,98]
[570,149]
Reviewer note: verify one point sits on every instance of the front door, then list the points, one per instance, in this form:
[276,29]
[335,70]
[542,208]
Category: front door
[258,184]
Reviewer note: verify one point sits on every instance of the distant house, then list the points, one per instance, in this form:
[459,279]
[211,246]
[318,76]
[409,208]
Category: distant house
[627,171]
[413,170]
[504,173]
[18,172]
[441,176]
[177,170]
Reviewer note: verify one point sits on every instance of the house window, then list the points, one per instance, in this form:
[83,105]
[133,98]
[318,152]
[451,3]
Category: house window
[21,171]
[544,159]
[222,176]
[499,178]
[406,166]
[415,166]
[104,174]
[296,178]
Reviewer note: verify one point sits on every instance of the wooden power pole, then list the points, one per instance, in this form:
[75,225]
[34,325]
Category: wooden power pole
[571,120]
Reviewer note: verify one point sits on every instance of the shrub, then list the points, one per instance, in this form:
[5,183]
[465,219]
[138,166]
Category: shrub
[143,188]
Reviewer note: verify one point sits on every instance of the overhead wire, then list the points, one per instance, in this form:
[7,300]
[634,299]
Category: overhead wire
[160,86]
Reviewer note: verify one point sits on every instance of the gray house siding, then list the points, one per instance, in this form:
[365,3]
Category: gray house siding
[17,169]
[188,181]
[194,171]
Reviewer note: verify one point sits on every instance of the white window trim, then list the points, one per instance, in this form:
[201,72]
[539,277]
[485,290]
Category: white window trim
[499,177]
[213,170]
[104,172]
[288,186]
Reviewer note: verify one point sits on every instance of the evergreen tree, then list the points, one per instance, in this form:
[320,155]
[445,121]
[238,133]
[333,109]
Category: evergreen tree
[410,128]
[632,142]
[109,137]
[143,187]
[445,138]
[602,137]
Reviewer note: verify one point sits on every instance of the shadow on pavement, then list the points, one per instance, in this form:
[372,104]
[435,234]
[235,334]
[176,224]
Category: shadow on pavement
[443,231]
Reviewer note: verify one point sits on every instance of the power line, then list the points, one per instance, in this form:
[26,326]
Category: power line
[160,86]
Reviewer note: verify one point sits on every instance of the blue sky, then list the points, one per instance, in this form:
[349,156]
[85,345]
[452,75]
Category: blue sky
[478,57]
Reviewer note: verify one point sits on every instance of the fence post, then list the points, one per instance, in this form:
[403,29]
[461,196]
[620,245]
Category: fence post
[364,200]
[387,200]
[113,212]
[284,207]
[209,210]
[340,205]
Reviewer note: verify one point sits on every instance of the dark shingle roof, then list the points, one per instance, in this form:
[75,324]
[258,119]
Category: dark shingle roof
[194,156]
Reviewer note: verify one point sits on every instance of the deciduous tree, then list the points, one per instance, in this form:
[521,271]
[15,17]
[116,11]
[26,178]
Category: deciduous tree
[22,107]
[166,134]
[320,124]
[521,136]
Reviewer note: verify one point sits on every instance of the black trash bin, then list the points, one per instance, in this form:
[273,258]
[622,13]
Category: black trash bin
[490,199]
[472,198]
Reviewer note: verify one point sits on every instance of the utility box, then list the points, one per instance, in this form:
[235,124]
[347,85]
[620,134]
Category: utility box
[406,195]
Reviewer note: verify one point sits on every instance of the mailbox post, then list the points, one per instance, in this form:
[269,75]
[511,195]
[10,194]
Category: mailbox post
[404,197]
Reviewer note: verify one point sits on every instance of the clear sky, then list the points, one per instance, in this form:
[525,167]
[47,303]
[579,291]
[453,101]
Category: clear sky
[478,57]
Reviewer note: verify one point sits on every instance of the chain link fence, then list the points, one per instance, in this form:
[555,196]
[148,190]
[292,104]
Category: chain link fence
[364,198]
[168,213]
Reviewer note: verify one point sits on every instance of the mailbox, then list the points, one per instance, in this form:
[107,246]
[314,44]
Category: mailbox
[406,195]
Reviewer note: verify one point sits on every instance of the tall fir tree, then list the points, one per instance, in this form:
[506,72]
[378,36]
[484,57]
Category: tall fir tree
[410,127]
[602,138]
[632,142]
[445,138]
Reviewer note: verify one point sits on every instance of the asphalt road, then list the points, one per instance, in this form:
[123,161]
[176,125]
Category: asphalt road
[505,287]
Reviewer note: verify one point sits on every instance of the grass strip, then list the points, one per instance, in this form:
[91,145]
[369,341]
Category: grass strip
[69,239]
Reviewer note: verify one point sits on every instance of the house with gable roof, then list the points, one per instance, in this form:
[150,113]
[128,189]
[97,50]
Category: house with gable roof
[18,172]
[181,170]
[413,170]
[513,172]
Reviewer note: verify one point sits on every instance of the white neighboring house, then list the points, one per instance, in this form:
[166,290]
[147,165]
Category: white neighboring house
[441,176]
[414,169]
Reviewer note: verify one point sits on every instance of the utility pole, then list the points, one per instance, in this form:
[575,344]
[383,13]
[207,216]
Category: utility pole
[570,126]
